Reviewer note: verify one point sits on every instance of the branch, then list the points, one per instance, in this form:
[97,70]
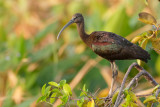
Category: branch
[146,75]
[123,83]
[142,72]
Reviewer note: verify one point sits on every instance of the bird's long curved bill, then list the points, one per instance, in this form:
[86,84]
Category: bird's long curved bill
[69,23]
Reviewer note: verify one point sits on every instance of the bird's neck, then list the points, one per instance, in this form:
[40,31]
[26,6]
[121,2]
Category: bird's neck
[84,36]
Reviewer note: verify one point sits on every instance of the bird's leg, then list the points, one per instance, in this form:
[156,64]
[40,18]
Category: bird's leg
[114,76]
[115,70]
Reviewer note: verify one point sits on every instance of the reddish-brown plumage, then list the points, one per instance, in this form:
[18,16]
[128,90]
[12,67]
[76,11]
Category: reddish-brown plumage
[101,43]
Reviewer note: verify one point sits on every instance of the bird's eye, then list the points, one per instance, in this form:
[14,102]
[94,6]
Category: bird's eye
[75,17]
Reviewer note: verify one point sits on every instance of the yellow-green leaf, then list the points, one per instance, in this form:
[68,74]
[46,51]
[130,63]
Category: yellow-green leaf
[43,89]
[139,62]
[144,43]
[64,99]
[90,103]
[136,39]
[80,102]
[147,18]
[150,99]
[115,97]
[155,88]
[132,104]
[149,104]
[146,2]
[62,82]
[67,89]
[133,96]
[47,90]
[52,99]
[42,98]
[53,83]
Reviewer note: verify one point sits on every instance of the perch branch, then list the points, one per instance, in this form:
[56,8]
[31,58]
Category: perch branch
[123,83]
[134,80]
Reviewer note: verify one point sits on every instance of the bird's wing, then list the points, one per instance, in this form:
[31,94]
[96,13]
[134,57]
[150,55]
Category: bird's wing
[104,43]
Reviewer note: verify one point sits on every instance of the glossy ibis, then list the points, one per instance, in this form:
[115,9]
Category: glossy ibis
[108,45]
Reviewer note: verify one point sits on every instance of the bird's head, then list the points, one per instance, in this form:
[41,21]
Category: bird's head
[77,18]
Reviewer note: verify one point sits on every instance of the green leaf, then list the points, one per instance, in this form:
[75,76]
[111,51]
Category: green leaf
[149,104]
[47,91]
[83,93]
[133,96]
[53,83]
[52,99]
[64,99]
[115,97]
[80,102]
[42,98]
[62,82]
[84,87]
[55,90]
[144,43]
[67,89]
[132,104]
[43,89]
[155,88]
[61,105]
[130,99]
[150,99]
[147,18]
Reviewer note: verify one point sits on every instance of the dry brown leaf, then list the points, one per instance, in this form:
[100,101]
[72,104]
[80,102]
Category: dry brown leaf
[18,95]
[103,93]
[32,67]
[147,18]
[156,44]
[12,78]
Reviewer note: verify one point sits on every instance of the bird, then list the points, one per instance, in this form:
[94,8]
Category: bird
[108,45]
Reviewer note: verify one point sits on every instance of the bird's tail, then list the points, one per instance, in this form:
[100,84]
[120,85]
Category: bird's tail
[142,54]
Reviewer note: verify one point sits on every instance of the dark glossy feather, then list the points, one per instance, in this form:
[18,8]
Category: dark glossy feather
[114,47]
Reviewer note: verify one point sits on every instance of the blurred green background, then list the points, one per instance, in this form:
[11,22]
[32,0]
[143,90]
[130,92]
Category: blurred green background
[30,55]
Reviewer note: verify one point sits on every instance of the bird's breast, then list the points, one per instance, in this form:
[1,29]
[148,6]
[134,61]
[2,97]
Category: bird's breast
[107,48]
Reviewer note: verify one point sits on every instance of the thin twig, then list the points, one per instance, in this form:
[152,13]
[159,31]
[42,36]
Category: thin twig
[96,91]
[143,95]
[123,83]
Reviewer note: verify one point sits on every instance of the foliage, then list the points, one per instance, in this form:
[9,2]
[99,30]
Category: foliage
[130,99]
[63,92]
[150,35]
